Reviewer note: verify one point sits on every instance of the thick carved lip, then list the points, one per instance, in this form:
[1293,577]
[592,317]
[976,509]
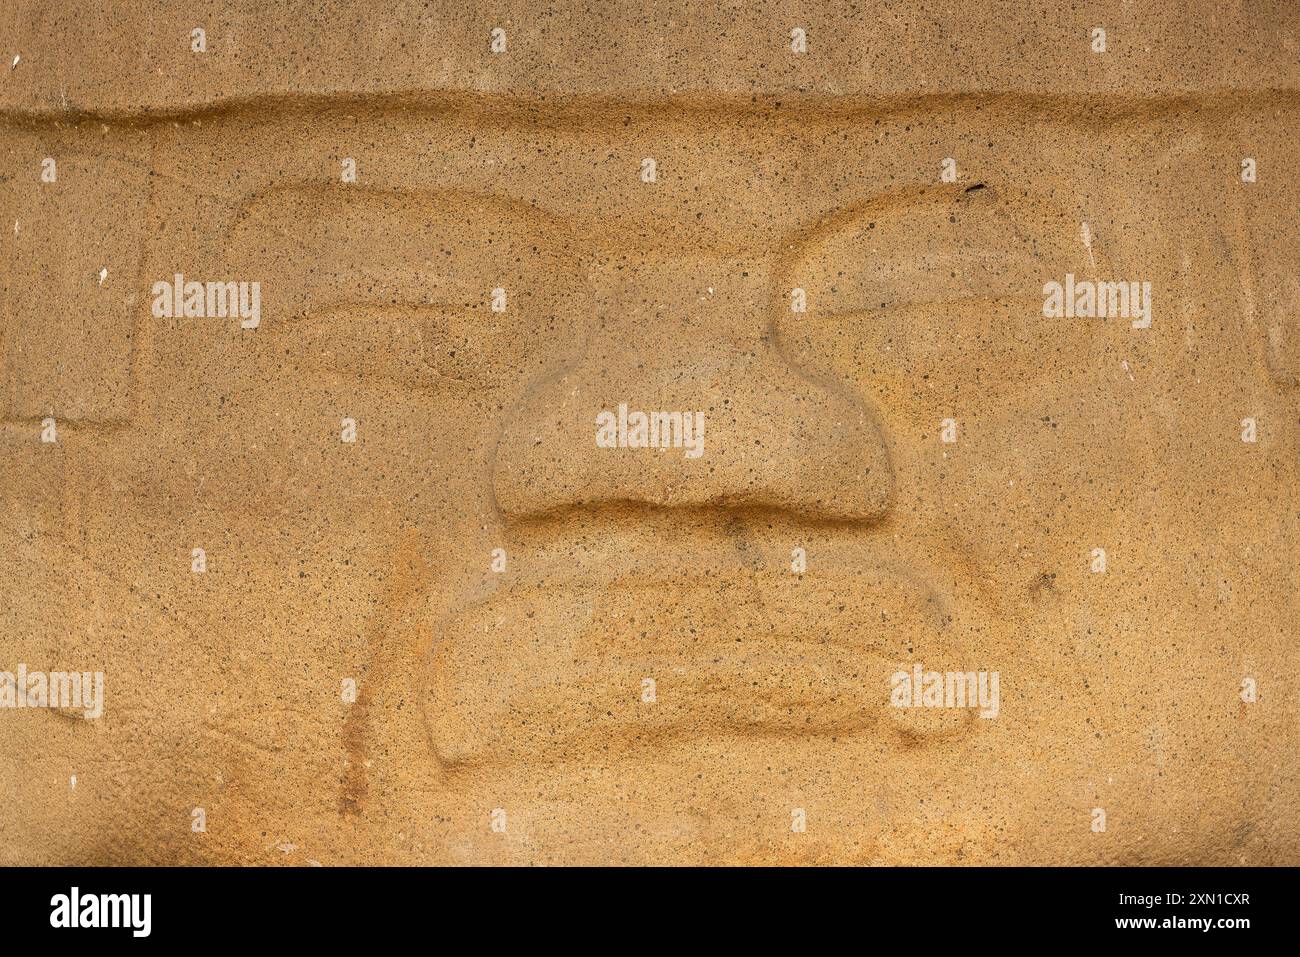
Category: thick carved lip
[605,652]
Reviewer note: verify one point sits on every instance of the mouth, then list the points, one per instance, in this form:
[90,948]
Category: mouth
[599,650]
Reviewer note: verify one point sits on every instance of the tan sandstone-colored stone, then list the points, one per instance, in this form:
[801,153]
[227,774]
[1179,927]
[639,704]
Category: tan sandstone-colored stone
[671,658]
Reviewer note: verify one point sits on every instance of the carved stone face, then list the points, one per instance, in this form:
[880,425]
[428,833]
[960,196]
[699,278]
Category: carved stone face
[567,652]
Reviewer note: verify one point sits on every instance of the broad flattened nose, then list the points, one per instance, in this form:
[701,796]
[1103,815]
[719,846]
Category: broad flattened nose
[682,399]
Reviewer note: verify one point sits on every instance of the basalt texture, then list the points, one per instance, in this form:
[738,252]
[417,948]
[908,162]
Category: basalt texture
[365,582]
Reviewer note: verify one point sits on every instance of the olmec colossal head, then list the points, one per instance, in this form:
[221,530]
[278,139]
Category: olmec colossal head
[652,439]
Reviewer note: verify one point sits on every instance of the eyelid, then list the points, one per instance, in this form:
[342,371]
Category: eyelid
[388,341]
[404,224]
[912,302]
[410,288]
[333,246]
[937,250]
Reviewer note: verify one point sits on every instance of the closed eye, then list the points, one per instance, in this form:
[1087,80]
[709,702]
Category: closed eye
[427,289]
[945,287]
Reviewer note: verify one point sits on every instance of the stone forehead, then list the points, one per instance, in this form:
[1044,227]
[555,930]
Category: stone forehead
[136,57]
